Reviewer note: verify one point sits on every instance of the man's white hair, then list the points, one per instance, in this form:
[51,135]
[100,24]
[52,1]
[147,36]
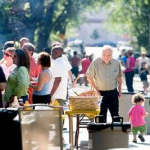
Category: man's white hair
[107,47]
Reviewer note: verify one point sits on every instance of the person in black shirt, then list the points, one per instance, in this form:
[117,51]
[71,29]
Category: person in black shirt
[2,85]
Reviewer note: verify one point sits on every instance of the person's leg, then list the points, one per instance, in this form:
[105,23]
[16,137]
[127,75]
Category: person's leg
[61,103]
[145,87]
[134,132]
[142,130]
[134,139]
[114,104]
[76,71]
[85,81]
[131,78]
[73,71]
[104,105]
[127,81]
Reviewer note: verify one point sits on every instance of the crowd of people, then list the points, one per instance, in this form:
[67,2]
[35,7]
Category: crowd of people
[40,80]
[130,66]
[46,80]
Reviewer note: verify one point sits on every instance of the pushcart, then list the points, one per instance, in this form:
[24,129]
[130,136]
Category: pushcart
[41,127]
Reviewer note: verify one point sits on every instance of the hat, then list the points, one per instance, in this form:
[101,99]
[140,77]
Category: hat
[143,52]
[57,47]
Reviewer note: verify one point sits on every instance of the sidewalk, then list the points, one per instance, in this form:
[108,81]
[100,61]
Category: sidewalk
[83,135]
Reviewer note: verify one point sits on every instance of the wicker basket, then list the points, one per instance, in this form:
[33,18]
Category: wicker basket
[87,100]
[83,103]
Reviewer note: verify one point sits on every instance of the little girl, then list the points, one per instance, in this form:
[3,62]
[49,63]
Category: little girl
[136,117]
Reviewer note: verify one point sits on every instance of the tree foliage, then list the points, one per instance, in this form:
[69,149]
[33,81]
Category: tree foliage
[39,19]
[133,18]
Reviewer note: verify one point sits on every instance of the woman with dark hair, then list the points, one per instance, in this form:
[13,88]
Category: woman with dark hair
[41,92]
[18,81]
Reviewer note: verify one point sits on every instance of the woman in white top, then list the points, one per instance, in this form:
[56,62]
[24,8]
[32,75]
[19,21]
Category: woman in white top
[41,92]
[8,65]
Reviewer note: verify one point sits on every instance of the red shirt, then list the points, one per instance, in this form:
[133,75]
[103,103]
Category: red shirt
[85,62]
[75,61]
[34,72]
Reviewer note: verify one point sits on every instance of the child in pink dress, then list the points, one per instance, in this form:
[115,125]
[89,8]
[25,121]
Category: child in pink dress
[136,117]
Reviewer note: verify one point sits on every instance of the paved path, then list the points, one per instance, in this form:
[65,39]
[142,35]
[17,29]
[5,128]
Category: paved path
[83,136]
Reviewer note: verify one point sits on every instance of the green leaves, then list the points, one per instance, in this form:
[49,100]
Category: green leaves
[131,17]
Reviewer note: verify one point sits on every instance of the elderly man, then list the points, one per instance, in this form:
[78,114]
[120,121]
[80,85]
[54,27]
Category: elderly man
[106,77]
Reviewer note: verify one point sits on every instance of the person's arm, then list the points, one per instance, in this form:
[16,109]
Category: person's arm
[70,75]
[128,63]
[119,86]
[129,118]
[129,115]
[90,80]
[41,80]
[90,73]
[119,80]
[146,114]
[2,86]
[2,61]
[55,86]
[2,80]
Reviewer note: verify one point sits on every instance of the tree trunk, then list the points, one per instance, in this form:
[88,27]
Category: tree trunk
[43,37]
[29,32]
[46,24]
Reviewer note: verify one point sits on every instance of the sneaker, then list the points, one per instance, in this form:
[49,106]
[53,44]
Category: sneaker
[64,129]
[141,138]
[134,141]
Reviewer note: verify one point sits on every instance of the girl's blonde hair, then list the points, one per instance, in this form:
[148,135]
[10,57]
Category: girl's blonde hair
[138,97]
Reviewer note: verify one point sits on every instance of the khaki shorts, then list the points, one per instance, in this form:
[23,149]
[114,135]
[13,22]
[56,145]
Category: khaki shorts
[145,84]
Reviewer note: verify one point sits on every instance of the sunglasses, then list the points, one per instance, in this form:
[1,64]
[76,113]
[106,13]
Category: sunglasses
[7,55]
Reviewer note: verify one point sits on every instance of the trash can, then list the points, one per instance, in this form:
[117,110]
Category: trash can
[125,103]
[103,136]
[147,108]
